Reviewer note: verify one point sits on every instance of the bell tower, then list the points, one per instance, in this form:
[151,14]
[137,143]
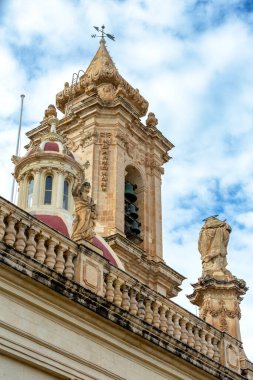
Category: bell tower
[125,156]
[123,161]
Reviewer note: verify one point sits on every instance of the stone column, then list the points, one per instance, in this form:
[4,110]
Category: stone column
[36,189]
[218,302]
[58,188]
[21,192]
[218,293]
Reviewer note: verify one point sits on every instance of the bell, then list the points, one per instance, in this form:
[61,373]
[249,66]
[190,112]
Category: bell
[133,211]
[129,192]
[135,228]
[127,209]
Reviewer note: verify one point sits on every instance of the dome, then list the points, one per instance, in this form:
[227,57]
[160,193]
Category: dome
[54,221]
[108,252]
[51,141]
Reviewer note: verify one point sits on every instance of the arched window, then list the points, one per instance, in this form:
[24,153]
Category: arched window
[65,200]
[134,205]
[30,192]
[48,190]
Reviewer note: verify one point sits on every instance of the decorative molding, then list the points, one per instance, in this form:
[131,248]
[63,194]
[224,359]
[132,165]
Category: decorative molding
[89,138]
[106,140]
[102,77]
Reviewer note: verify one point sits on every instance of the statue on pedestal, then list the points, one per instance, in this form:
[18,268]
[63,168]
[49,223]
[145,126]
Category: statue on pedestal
[213,242]
[85,212]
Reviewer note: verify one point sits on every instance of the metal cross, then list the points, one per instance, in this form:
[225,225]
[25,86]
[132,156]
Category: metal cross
[111,36]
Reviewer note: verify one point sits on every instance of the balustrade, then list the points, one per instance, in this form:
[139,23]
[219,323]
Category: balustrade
[32,238]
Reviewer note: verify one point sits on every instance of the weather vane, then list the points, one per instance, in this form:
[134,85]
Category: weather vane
[111,36]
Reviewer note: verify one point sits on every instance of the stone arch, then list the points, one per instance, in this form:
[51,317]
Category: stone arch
[135,177]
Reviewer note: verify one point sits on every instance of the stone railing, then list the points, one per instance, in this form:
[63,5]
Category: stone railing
[37,241]
[153,308]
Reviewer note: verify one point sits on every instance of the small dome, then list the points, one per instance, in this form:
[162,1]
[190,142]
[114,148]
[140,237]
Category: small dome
[51,146]
[55,222]
[52,141]
[108,252]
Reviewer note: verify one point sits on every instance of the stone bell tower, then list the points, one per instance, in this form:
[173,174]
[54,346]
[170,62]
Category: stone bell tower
[123,161]
[103,127]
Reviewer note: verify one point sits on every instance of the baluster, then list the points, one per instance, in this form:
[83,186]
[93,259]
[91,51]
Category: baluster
[10,232]
[109,295]
[104,285]
[117,292]
[170,323]
[50,254]
[184,335]
[216,355]
[163,319]
[30,248]
[210,351]
[69,265]
[177,329]
[21,237]
[125,298]
[3,214]
[190,334]
[41,249]
[203,349]
[60,260]
[197,340]
[156,317]
[148,311]
[133,302]
[141,306]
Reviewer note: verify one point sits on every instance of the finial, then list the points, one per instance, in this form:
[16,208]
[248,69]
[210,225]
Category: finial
[50,111]
[111,36]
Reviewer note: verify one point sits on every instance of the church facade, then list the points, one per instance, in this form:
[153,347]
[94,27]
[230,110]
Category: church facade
[89,296]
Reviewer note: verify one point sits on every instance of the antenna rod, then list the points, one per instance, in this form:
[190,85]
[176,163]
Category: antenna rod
[18,142]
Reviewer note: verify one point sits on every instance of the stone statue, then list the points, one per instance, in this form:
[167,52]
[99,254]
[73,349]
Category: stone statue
[151,121]
[85,212]
[213,242]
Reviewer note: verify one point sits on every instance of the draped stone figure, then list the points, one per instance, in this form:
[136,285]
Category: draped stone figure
[213,242]
[84,214]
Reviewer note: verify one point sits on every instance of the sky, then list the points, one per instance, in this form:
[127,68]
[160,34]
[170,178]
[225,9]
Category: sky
[192,60]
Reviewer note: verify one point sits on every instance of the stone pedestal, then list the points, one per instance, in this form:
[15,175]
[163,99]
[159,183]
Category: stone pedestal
[218,301]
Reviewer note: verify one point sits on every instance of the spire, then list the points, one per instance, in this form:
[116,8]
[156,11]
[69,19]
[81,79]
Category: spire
[102,67]
[102,79]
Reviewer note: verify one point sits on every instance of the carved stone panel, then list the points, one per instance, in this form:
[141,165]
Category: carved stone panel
[105,140]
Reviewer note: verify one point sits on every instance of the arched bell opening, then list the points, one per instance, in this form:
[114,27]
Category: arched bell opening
[134,205]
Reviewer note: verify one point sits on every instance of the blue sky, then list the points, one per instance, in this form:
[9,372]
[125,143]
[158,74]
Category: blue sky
[192,60]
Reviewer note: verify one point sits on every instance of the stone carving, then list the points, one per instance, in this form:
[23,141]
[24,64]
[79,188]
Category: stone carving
[72,145]
[152,163]
[151,121]
[219,308]
[102,72]
[89,138]
[213,242]
[85,212]
[106,139]
[106,92]
[15,159]
[50,111]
